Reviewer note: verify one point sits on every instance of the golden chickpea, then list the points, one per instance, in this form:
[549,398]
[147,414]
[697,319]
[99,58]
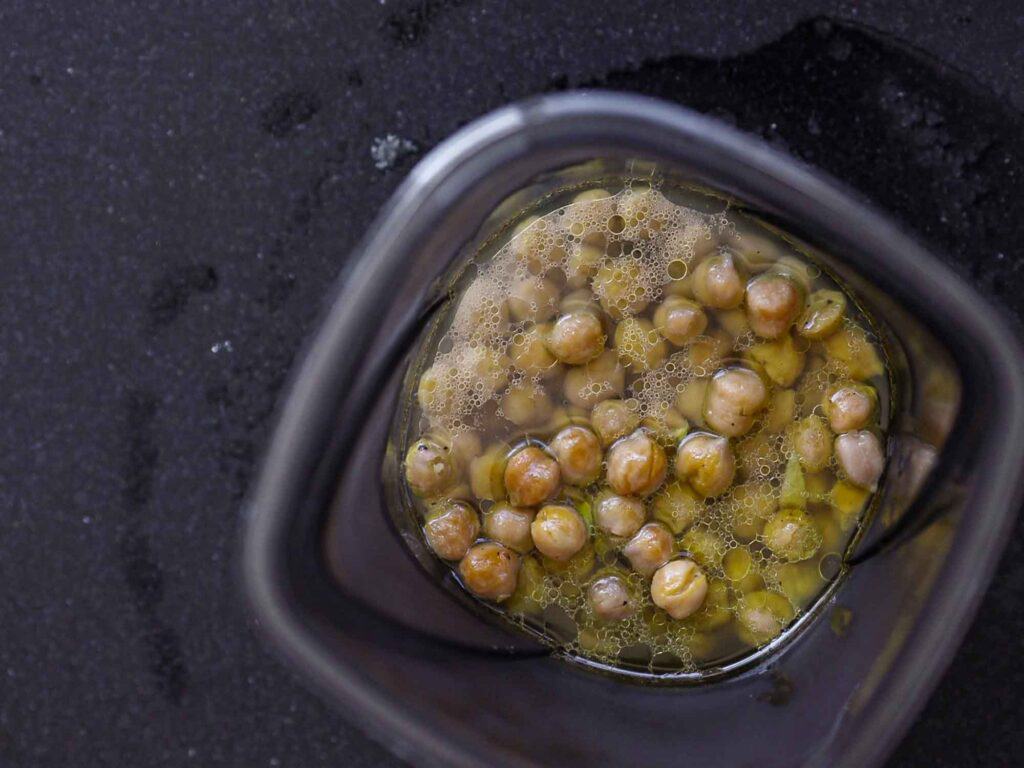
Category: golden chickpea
[526,404]
[429,468]
[734,398]
[619,288]
[677,506]
[618,515]
[762,616]
[436,391]
[792,535]
[488,366]
[823,316]
[531,477]
[649,549]
[680,320]
[707,462]
[582,262]
[510,526]
[679,588]
[534,299]
[773,303]
[602,378]
[613,419]
[490,571]
[578,453]
[610,599]
[530,354]
[639,345]
[813,443]
[576,337]
[559,532]
[860,458]
[636,465]
[717,282]
[451,528]
[849,407]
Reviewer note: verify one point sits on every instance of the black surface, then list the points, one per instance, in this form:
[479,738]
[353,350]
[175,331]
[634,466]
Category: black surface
[180,187]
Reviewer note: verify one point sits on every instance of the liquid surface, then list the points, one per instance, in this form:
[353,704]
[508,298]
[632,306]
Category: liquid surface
[646,432]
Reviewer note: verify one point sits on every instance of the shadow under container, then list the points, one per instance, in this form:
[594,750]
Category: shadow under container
[424,669]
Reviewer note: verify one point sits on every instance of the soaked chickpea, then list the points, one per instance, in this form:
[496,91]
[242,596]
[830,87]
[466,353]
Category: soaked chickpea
[849,407]
[773,303]
[636,465]
[613,419]
[510,526]
[792,535]
[558,531]
[534,299]
[490,570]
[861,458]
[576,337]
[429,468]
[717,282]
[579,455]
[600,379]
[531,477]
[639,346]
[610,335]
[618,515]
[529,353]
[610,599]
[812,442]
[706,462]
[733,400]
[679,588]
[680,320]
[451,528]
[526,404]
[649,549]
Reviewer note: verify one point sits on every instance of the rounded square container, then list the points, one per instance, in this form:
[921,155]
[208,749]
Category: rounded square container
[383,635]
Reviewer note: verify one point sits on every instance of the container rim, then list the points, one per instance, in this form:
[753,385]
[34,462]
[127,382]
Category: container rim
[552,131]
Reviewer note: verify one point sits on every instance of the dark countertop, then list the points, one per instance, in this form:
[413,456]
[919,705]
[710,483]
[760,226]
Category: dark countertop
[179,188]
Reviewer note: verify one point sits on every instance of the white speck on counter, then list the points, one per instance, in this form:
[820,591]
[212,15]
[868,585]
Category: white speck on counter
[386,151]
[222,346]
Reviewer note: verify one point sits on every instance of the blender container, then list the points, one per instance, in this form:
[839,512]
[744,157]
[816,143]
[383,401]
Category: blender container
[347,591]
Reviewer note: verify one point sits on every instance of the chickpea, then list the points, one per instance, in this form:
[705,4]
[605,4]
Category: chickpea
[849,407]
[436,391]
[531,477]
[706,462]
[717,282]
[526,404]
[639,345]
[558,532]
[823,316]
[618,515]
[861,458]
[576,337]
[578,453]
[429,468]
[782,359]
[618,287]
[813,443]
[705,547]
[530,354]
[649,549]
[610,599]
[734,398]
[677,506]
[602,378]
[792,535]
[451,528]
[636,465]
[613,419]
[680,320]
[762,616]
[510,526]
[582,262]
[533,298]
[679,588]
[490,571]
[773,303]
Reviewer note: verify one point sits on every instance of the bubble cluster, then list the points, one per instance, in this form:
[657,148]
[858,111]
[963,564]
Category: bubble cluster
[490,379]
